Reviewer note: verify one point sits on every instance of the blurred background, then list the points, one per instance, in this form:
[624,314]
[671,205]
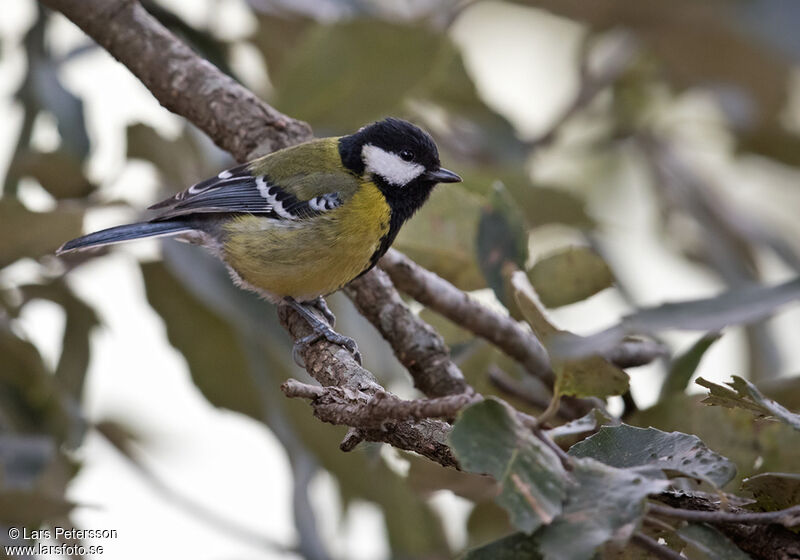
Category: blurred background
[139,388]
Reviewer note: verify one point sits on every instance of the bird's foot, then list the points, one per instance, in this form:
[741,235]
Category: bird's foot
[322,306]
[320,331]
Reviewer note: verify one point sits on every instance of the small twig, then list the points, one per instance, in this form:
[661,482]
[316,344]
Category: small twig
[566,459]
[352,438]
[353,408]
[656,522]
[651,545]
[636,352]
[789,517]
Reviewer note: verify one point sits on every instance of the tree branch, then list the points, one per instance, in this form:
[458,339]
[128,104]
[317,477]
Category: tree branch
[760,541]
[337,405]
[440,295]
[183,82]
[415,343]
[789,517]
[334,366]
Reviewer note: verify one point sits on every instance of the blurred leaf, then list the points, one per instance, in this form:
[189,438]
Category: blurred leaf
[81,319]
[177,160]
[60,173]
[753,446]
[212,349]
[453,334]
[736,306]
[604,505]
[42,90]
[709,543]
[684,366]
[277,38]
[30,400]
[487,522]
[335,97]
[442,236]
[590,377]
[31,509]
[675,453]
[586,377]
[487,438]
[544,205]
[774,491]
[427,477]
[502,245]
[33,234]
[569,276]
[23,458]
[786,388]
[746,395]
[588,423]
[513,547]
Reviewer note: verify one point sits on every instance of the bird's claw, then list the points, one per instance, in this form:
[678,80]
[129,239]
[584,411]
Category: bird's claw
[331,336]
[321,305]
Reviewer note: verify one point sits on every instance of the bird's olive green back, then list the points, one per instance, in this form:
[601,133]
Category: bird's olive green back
[308,170]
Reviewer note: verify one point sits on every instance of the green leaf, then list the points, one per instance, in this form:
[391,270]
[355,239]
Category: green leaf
[569,276]
[518,546]
[333,96]
[746,395]
[774,491]
[754,446]
[34,234]
[737,306]
[487,438]
[502,245]
[81,319]
[675,453]
[593,376]
[709,544]
[605,504]
[684,366]
[210,346]
[442,236]
[543,205]
[60,173]
[590,377]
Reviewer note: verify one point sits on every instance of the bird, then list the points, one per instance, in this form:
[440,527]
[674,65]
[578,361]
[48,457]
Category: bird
[301,223]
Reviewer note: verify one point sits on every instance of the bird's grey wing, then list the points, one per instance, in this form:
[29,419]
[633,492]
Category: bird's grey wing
[237,190]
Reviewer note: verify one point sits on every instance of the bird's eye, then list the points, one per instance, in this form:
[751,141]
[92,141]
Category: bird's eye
[407,155]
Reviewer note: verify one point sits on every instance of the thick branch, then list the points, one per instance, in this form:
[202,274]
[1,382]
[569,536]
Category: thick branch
[183,82]
[415,343]
[334,366]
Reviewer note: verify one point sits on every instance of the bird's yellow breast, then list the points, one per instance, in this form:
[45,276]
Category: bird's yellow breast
[306,258]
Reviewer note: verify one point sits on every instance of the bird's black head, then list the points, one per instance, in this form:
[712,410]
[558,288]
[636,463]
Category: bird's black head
[401,158]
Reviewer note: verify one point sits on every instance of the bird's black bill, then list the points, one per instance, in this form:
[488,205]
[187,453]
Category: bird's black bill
[442,175]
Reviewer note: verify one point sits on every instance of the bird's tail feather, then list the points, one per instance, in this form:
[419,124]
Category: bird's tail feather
[124,233]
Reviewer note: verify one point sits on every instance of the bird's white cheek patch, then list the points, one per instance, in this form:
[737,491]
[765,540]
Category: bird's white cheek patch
[391,167]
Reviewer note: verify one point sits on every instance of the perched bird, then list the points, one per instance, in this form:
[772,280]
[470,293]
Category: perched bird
[302,222]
